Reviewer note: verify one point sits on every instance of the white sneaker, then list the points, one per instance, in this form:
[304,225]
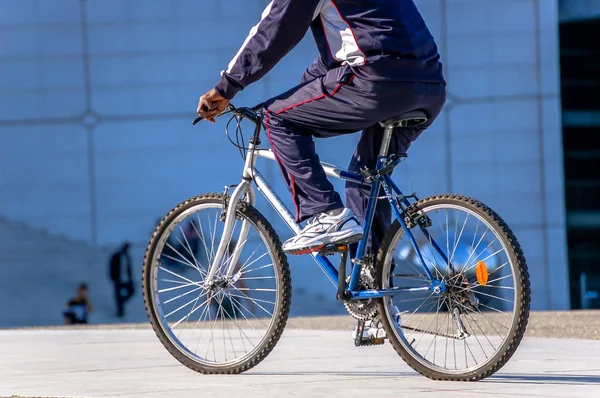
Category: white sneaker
[372,330]
[323,230]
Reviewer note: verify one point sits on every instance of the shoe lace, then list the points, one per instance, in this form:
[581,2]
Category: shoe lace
[314,220]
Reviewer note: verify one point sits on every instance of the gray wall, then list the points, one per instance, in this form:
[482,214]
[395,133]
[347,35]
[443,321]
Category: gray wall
[96,99]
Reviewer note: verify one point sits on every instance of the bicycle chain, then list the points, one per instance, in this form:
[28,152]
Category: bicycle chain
[428,332]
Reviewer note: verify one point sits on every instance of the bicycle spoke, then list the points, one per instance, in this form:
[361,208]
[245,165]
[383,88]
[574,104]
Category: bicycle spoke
[447,333]
[483,251]
[439,306]
[256,277]
[256,269]
[459,314]
[176,282]
[454,349]
[255,301]
[454,239]
[416,327]
[458,239]
[205,312]
[415,299]
[189,314]
[235,320]
[235,253]
[240,306]
[253,262]
[482,332]
[183,294]
[203,239]
[223,329]
[212,335]
[185,262]
[495,297]
[177,275]
[435,266]
[188,248]
[474,251]
[419,307]
[177,287]
[447,241]
[474,334]
[226,324]
[179,309]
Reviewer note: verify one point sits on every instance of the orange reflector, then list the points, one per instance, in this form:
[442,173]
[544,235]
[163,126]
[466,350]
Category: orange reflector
[482,273]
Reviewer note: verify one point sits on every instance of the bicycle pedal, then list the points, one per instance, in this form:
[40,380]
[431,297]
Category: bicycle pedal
[330,250]
[369,342]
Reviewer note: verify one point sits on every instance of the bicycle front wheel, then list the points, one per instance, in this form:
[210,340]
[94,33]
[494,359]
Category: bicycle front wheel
[468,329]
[233,324]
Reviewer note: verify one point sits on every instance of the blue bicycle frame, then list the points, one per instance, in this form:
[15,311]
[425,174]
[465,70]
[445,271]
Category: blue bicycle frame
[377,178]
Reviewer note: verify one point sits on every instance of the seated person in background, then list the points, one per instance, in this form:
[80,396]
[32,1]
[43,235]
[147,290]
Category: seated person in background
[79,307]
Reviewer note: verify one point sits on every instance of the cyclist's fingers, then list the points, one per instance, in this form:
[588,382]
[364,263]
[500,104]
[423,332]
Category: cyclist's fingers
[204,107]
[211,113]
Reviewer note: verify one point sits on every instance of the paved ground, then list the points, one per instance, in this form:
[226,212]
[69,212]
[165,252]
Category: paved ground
[306,363]
[552,324]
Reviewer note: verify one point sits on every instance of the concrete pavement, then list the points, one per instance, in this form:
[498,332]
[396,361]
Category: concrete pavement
[132,363]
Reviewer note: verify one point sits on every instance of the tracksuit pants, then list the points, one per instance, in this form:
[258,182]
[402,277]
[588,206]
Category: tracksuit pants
[329,103]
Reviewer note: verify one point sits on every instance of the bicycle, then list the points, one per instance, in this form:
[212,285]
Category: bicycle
[430,289]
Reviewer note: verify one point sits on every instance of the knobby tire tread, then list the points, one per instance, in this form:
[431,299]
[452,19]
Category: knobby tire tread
[284,292]
[521,279]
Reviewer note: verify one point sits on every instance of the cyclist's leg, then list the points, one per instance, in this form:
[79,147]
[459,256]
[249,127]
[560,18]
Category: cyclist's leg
[307,182]
[331,105]
[366,154]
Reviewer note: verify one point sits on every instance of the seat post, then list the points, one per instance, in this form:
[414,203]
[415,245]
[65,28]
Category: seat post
[387,138]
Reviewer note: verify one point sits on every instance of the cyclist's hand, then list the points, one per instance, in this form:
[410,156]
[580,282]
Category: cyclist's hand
[211,105]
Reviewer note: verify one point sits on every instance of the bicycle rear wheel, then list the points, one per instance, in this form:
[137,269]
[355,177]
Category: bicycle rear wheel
[470,330]
[234,325]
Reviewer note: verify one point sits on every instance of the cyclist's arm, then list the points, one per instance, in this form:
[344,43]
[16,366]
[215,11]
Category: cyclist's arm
[284,23]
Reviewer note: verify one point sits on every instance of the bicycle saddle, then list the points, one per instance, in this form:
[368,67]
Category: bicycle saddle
[409,119]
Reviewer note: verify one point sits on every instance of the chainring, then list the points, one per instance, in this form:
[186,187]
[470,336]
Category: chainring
[363,310]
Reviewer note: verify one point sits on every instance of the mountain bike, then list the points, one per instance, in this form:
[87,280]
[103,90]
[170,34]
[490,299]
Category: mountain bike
[449,283]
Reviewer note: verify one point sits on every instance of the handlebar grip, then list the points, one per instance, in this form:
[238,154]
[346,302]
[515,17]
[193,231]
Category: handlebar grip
[203,108]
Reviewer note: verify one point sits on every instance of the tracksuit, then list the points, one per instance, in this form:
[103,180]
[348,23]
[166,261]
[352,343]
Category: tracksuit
[377,59]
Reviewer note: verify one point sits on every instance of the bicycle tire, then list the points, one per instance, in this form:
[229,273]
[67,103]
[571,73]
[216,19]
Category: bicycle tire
[284,294]
[522,284]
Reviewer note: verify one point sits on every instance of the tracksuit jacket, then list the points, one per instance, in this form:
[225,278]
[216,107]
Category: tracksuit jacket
[377,59]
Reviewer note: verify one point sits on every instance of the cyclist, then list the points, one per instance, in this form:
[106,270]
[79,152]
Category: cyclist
[377,59]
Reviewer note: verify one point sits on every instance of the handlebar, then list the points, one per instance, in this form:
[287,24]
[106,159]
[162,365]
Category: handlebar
[253,114]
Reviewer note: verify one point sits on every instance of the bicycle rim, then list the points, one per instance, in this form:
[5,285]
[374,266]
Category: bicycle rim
[226,326]
[465,328]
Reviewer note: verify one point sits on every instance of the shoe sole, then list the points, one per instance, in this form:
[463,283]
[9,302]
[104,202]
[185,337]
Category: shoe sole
[315,248]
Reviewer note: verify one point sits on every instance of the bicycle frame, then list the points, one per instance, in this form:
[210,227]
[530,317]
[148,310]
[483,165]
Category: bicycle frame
[397,200]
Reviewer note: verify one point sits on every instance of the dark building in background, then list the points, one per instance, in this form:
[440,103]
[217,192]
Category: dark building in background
[580,75]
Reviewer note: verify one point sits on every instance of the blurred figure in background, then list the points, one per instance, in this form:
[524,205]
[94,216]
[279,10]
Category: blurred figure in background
[79,307]
[185,252]
[121,277]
